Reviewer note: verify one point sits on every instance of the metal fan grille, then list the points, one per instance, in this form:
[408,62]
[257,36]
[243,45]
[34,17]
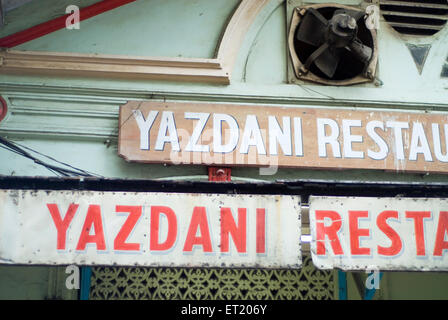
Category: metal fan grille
[348,64]
[415,17]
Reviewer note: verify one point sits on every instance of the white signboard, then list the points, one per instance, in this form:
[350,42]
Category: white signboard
[149,229]
[360,233]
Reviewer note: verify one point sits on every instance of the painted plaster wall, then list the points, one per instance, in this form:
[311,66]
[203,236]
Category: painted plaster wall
[179,28]
[75,120]
[20,283]
[403,286]
[35,283]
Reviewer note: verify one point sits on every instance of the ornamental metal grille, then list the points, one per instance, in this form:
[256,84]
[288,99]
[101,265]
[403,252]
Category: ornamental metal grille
[415,17]
[129,283]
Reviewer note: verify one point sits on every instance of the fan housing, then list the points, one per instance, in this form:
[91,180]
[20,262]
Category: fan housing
[331,44]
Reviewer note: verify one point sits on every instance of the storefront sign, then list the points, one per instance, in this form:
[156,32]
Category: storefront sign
[149,229]
[379,233]
[266,136]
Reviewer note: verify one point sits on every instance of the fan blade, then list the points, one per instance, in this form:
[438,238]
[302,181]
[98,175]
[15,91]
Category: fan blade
[312,28]
[353,13]
[328,61]
[361,51]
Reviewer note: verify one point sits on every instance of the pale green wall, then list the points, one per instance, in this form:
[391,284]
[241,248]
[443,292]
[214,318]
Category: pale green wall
[270,47]
[412,285]
[23,282]
[181,28]
[95,156]
[403,286]
[31,14]
[35,283]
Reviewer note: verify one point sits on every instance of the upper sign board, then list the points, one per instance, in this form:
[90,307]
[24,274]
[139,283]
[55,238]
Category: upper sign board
[361,233]
[149,229]
[267,136]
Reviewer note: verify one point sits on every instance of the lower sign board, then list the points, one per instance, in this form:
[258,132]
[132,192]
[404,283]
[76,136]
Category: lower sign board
[361,233]
[149,229]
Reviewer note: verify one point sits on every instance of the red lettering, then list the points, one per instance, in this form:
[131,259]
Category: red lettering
[396,245]
[261,231]
[356,232]
[198,221]
[93,217]
[154,244]
[442,228]
[120,240]
[330,231]
[228,226]
[62,224]
[419,229]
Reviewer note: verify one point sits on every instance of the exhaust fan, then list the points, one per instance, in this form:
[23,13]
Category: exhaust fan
[331,44]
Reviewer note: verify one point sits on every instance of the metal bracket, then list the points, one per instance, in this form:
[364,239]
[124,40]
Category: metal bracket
[86,275]
[219,174]
[342,282]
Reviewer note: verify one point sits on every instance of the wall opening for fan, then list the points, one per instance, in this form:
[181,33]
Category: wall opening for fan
[331,44]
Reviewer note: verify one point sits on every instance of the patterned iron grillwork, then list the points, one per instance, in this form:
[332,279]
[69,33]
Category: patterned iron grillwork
[129,283]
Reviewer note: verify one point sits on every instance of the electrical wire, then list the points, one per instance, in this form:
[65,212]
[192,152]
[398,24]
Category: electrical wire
[53,159]
[49,167]
[60,171]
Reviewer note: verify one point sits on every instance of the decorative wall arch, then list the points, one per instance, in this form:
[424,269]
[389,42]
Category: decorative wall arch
[215,70]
